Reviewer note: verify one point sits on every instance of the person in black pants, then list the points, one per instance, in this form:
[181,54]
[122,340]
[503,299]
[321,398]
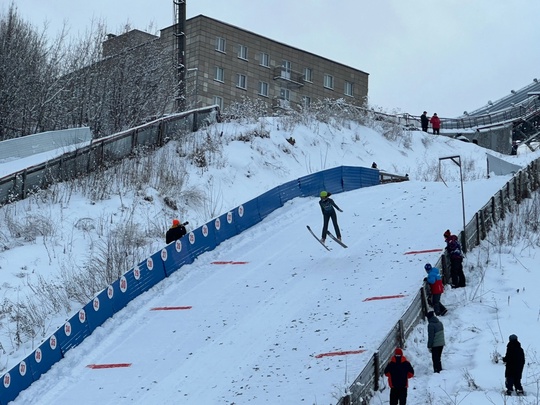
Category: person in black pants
[515,361]
[398,371]
[436,341]
[424,120]
[328,211]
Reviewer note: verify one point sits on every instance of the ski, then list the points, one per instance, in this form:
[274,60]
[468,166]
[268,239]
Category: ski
[336,240]
[318,240]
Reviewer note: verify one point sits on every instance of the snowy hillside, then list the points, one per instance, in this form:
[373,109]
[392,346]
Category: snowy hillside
[59,239]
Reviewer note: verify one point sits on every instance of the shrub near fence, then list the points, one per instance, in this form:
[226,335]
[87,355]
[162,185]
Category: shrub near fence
[168,260]
[519,187]
[101,151]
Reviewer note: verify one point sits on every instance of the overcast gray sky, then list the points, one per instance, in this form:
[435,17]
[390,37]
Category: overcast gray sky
[444,56]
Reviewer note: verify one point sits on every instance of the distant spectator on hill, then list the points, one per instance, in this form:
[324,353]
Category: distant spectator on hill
[424,120]
[176,231]
[514,148]
[374,165]
[435,123]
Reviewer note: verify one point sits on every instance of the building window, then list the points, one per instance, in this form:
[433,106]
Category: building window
[308,75]
[286,67]
[263,89]
[329,81]
[306,101]
[219,74]
[265,60]
[219,102]
[349,90]
[242,52]
[220,44]
[285,94]
[241,81]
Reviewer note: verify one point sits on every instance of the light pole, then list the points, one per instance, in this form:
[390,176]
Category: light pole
[196,70]
[457,160]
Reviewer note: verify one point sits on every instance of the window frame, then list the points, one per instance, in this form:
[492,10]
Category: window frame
[241,79]
[221,44]
[310,71]
[263,86]
[349,89]
[265,57]
[217,70]
[242,52]
[218,100]
[328,81]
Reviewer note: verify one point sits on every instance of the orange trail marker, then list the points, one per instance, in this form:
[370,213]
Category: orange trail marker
[169,308]
[386,297]
[414,252]
[114,365]
[339,353]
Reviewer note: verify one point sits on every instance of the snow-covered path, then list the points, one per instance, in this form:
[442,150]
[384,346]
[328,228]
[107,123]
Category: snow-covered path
[254,330]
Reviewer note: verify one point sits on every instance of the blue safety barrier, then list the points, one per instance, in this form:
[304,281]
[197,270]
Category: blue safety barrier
[176,254]
[171,258]
[15,380]
[74,331]
[100,308]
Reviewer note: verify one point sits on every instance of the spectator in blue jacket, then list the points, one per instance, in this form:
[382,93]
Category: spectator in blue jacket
[398,371]
[437,288]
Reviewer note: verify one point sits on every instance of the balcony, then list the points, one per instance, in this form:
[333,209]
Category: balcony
[288,78]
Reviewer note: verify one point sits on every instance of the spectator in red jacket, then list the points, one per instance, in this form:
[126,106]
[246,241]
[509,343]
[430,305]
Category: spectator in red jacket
[435,123]
[398,371]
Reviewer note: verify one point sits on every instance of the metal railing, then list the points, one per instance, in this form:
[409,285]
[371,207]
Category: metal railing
[70,165]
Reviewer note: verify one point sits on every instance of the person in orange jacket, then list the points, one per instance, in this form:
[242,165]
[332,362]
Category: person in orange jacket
[176,231]
[398,371]
[435,124]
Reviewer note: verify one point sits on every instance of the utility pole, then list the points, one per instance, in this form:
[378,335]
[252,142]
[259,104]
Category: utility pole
[180,36]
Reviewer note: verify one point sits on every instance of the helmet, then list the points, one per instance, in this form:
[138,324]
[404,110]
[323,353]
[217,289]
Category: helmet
[323,194]
[427,267]
[175,222]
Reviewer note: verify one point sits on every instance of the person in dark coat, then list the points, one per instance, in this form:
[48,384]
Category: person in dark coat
[436,341]
[435,123]
[398,371]
[424,120]
[437,288]
[176,231]
[453,248]
[328,211]
[515,361]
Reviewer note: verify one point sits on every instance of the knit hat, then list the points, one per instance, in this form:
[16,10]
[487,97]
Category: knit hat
[398,352]
[323,194]
[427,267]
[447,233]
[175,222]
[430,314]
[512,337]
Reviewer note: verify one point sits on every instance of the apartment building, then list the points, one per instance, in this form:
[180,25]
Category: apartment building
[225,63]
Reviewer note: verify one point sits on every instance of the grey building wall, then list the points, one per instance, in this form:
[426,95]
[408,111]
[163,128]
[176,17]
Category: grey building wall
[202,60]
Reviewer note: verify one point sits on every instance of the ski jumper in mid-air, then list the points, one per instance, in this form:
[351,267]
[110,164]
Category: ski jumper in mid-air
[328,211]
